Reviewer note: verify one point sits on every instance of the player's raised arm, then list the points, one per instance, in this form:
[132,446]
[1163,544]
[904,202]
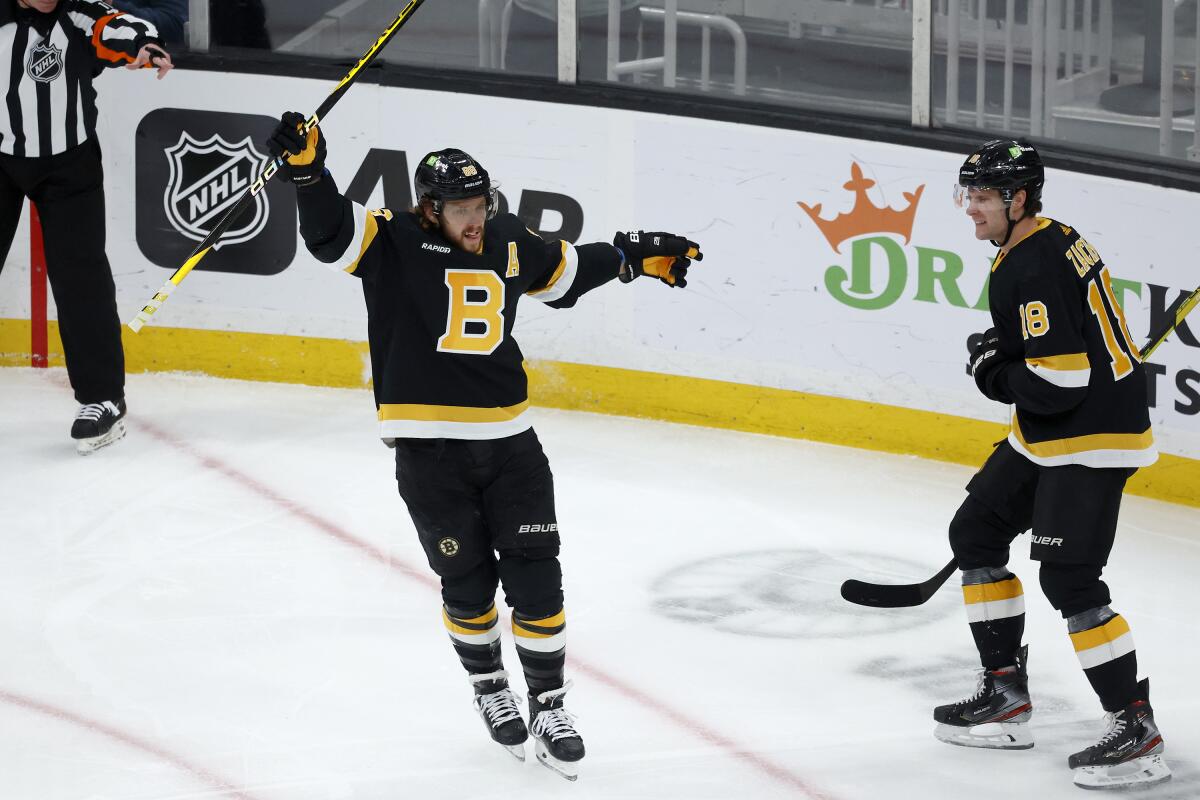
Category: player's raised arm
[336,230]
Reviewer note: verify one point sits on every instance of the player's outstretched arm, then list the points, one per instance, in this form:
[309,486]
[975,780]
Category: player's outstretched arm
[586,267]
[663,255]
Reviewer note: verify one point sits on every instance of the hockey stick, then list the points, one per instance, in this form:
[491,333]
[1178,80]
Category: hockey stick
[1175,314]
[880,595]
[914,594]
[259,185]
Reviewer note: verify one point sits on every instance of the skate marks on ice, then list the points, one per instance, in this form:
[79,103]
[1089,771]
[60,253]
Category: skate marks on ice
[791,594]
[1059,727]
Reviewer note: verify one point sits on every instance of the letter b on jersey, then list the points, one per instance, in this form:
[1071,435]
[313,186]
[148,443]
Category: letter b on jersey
[475,313]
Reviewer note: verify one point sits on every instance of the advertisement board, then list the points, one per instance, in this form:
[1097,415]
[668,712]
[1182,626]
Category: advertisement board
[832,266]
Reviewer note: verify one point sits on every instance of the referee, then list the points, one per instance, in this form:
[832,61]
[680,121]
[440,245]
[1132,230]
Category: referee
[50,52]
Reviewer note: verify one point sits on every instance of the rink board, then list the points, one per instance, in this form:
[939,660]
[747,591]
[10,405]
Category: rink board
[870,308]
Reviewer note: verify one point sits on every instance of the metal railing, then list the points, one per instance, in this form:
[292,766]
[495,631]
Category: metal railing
[326,35]
[1085,68]
[671,18]
[1194,151]
[1066,47]
[495,18]
[1052,34]
[197,26]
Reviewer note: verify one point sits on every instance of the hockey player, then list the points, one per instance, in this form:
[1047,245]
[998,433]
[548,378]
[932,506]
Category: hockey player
[49,152]
[441,283]
[1061,354]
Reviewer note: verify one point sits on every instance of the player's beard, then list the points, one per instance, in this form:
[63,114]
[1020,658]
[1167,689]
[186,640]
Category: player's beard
[471,244]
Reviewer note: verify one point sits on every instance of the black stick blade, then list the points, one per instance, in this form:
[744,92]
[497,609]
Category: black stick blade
[878,595]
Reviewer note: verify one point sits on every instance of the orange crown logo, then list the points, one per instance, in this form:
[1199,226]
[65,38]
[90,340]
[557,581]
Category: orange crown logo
[865,217]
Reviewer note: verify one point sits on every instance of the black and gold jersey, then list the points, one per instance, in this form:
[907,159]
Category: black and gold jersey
[1074,374]
[440,319]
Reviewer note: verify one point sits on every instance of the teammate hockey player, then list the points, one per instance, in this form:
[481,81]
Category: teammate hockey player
[1061,354]
[441,283]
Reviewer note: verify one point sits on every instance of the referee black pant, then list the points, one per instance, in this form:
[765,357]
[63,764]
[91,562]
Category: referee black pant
[68,189]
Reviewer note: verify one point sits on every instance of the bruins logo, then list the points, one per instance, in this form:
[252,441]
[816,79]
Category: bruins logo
[448,546]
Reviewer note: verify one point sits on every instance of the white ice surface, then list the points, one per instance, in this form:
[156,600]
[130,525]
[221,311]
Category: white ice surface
[232,603]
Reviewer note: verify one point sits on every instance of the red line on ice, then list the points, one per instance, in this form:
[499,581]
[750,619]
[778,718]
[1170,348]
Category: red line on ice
[763,764]
[128,739]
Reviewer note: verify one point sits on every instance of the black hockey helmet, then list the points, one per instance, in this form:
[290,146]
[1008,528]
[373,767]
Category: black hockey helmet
[451,174]
[1006,165]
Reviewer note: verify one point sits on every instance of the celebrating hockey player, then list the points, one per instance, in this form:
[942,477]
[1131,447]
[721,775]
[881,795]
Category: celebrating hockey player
[1061,354]
[441,283]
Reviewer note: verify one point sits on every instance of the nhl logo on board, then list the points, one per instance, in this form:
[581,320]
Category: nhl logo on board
[207,178]
[192,166]
[45,62]
[448,547]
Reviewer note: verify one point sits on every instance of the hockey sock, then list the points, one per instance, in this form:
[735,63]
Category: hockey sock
[996,611]
[1105,649]
[476,638]
[542,647]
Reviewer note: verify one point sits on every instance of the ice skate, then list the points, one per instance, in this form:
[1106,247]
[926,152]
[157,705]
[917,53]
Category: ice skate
[996,716]
[1128,755]
[556,742]
[497,707]
[98,425]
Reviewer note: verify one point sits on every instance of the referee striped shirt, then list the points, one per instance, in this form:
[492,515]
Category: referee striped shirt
[49,104]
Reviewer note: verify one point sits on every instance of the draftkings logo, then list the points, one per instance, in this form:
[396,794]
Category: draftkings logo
[45,62]
[882,271]
[192,168]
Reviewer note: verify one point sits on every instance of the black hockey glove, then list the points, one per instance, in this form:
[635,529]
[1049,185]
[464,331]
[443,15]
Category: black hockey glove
[972,342]
[663,255]
[304,157]
[986,361]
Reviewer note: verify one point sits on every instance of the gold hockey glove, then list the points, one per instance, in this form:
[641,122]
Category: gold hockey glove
[304,156]
[663,255]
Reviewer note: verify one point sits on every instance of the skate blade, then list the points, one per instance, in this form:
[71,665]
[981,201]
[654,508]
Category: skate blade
[1137,774]
[992,735]
[85,447]
[566,769]
[517,751]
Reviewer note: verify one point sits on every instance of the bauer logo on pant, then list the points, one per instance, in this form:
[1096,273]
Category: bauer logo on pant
[448,547]
[192,168]
[547,527]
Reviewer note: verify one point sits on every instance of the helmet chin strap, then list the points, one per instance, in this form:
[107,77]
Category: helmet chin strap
[1012,223]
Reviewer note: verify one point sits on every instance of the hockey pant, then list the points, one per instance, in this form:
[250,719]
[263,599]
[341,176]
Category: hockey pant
[484,511]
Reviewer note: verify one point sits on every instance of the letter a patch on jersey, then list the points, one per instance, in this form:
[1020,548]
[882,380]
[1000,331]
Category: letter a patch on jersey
[514,261]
